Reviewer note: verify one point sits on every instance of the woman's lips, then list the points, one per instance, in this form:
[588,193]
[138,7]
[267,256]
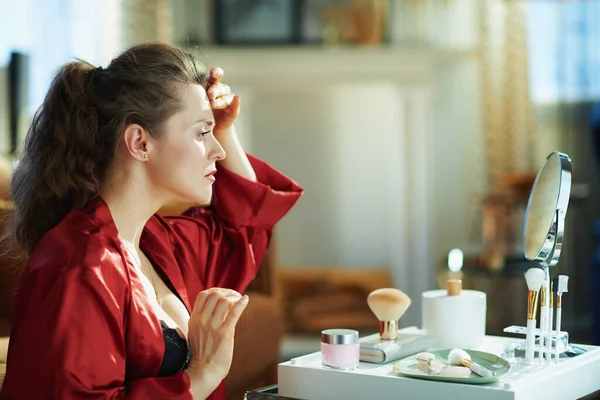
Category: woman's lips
[211,176]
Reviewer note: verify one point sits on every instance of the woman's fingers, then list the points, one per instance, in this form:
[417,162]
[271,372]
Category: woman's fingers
[234,314]
[222,102]
[201,303]
[217,91]
[214,78]
[209,307]
[216,74]
[221,310]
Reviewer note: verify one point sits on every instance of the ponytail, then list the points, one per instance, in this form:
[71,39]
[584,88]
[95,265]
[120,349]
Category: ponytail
[58,168]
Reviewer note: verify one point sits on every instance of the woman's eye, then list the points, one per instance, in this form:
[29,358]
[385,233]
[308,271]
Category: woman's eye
[202,134]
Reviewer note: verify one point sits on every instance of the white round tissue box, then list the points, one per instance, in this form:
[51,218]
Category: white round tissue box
[454,321]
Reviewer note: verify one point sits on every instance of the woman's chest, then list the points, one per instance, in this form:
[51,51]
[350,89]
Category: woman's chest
[169,306]
[158,289]
[152,301]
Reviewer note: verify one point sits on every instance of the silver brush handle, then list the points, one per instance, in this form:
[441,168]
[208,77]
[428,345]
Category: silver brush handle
[481,371]
[478,369]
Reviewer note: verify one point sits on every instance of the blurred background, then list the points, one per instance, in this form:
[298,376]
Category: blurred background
[415,126]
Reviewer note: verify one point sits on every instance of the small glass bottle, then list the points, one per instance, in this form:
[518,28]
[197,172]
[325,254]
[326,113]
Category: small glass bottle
[340,348]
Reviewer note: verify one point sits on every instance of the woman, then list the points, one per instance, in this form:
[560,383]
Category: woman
[117,302]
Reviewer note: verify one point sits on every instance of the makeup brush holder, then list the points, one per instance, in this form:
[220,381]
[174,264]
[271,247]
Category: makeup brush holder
[516,349]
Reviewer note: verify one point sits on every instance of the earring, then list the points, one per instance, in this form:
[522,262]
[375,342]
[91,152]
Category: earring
[146,156]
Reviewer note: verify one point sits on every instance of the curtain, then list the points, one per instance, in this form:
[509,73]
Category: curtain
[507,109]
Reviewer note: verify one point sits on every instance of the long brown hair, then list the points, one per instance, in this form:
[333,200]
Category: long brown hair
[76,131]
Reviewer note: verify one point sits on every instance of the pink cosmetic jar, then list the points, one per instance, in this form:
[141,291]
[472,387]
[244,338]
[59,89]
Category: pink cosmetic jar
[340,348]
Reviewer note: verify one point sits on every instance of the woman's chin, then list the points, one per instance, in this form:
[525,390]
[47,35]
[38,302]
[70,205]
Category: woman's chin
[201,196]
[204,197]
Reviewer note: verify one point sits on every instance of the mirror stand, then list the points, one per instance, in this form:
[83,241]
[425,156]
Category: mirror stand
[543,239]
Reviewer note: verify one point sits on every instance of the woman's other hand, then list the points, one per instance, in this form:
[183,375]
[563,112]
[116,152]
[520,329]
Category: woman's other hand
[225,105]
[211,332]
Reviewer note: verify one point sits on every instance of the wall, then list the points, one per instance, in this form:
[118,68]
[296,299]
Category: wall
[458,154]
[340,141]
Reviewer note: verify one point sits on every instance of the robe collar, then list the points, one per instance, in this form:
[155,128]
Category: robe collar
[155,246]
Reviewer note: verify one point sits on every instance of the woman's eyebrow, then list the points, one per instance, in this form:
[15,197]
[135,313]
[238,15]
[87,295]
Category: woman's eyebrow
[206,121]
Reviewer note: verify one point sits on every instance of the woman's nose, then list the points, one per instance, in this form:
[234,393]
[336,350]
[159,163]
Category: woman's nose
[215,151]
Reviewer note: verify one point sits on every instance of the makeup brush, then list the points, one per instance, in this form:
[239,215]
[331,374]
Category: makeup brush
[461,357]
[544,311]
[534,278]
[388,305]
[543,317]
[561,285]
[550,321]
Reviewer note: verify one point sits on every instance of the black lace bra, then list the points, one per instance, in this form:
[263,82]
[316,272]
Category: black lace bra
[177,354]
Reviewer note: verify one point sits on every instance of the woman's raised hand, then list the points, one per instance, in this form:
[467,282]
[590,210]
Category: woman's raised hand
[211,330]
[225,105]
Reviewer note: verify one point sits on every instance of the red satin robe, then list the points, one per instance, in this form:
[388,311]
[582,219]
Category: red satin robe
[84,328]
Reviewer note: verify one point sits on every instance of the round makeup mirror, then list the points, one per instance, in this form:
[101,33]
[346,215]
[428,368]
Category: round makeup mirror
[546,210]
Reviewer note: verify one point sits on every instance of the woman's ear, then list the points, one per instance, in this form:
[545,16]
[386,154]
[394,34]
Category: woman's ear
[135,140]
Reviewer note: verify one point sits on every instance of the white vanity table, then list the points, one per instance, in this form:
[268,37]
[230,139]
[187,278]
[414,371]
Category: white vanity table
[305,378]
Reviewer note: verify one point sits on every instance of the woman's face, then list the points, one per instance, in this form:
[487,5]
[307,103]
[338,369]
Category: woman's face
[182,163]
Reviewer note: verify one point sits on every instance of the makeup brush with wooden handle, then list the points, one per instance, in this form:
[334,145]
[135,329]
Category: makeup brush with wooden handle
[562,286]
[388,305]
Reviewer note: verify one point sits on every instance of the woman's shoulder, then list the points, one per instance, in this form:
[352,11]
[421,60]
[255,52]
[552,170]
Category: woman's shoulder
[82,239]
[77,262]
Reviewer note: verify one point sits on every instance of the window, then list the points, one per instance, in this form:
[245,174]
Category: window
[564,50]
[54,32]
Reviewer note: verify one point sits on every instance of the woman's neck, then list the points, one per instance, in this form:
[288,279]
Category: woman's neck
[131,204]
